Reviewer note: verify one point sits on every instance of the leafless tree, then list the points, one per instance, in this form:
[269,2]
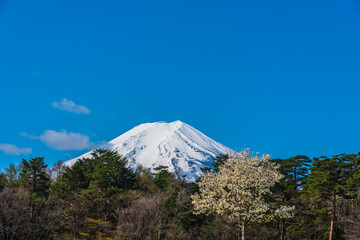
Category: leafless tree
[13,218]
[142,220]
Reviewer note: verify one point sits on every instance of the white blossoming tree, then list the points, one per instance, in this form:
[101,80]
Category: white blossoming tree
[237,190]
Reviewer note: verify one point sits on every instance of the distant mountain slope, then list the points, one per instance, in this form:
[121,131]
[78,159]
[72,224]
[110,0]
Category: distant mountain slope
[175,144]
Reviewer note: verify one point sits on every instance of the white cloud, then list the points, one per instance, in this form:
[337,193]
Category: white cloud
[27,135]
[70,106]
[11,149]
[63,140]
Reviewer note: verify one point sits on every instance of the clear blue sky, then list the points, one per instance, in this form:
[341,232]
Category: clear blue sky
[281,77]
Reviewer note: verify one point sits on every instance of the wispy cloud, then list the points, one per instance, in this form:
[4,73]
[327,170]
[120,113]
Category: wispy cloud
[70,106]
[64,140]
[27,135]
[11,149]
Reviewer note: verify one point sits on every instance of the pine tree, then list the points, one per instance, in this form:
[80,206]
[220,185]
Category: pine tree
[98,180]
[2,181]
[218,161]
[327,181]
[352,174]
[110,171]
[288,190]
[34,176]
[162,178]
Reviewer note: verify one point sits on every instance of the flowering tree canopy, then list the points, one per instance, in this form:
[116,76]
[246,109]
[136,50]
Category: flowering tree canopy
[237,190]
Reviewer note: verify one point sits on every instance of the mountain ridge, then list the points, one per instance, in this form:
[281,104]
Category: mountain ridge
[176,145]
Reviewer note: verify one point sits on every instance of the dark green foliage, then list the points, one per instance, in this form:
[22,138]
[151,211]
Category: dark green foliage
[74,178]
[327,182]
[326,177]
[287,192]
[163,177]
[34,176]
[2,181]
[218,161]
[92,189]
[106,171]
[110,171]
[352,174]
[295,171]
[101,198]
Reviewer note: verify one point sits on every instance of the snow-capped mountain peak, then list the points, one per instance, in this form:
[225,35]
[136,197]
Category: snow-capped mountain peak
[176,145]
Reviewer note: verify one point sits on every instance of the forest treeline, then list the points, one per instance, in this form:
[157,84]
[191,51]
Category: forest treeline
[101,198]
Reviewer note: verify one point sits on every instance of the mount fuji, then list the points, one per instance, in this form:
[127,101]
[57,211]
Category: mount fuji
[177,145]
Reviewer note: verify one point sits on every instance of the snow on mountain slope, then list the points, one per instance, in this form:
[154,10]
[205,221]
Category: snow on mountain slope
[175,144]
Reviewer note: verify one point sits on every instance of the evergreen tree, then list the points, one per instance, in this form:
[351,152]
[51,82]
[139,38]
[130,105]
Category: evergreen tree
[2,181]
[288,190]
[299,168]
[218,161]
[34,176]
[74,178]
[327,181]
[106,171]
[35,179]
[295,171]
[92,188]
[352,174]
[163,177]
[110,171]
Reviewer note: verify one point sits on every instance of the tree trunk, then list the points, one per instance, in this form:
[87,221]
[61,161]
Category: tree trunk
[333,215]
[282,232]
[295,177]
[243,231]
[31,218]
[31,212]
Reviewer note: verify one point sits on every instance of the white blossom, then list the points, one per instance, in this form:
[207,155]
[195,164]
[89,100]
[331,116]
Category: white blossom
[237,190]
[285,211]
